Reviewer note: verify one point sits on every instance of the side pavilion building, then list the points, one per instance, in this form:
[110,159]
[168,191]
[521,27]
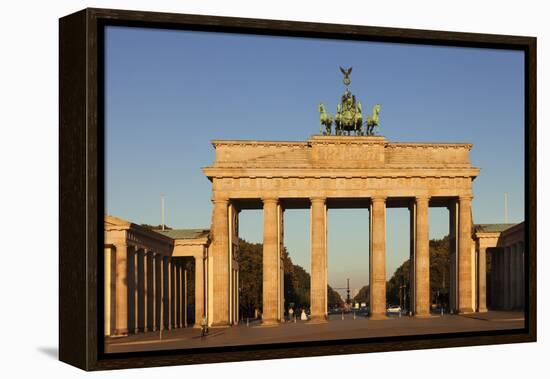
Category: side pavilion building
[145,277]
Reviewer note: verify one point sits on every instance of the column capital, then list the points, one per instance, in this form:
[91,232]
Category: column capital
[121,246]
[422,198]
[318,199]
[378,199]
[220,200]
[270,200]
[462,198]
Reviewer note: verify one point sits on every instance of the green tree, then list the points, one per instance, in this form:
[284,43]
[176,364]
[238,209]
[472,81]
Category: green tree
[363,296]
[398,286]
[439,270]
[250,277]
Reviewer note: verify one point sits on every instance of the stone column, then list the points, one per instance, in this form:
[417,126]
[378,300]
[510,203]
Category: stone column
[136,290]
[166,293]
[422,260]
[150,291]
[412,254]
[199,290]
[220,256]
[378,259]
[141,290]
[482,279]
[318,292]
[465,255]
[453,255]
[173,294]
[177,300]
[109,296]
[121,290]
[270,262]
[159,284]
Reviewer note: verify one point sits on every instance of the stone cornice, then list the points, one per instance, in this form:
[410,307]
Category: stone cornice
[192,241]
[343,140]
[347,140]
[113,223]
[254,143]
[336,173]
[447,145]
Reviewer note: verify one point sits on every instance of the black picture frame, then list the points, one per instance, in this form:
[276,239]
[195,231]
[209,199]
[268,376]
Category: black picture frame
[81,186]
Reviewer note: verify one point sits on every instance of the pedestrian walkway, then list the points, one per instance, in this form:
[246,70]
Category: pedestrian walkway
[300,331]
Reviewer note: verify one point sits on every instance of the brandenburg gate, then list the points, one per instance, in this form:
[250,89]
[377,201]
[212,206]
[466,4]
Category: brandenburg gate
[339,171]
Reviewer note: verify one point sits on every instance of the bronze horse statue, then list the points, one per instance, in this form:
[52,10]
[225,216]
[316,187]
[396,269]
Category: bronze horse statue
[372,120]
[325,120]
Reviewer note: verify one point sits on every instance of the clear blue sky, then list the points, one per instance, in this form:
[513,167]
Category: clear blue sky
[169,93]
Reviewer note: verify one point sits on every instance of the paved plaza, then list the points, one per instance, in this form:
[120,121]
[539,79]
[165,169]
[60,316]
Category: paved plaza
[299,331]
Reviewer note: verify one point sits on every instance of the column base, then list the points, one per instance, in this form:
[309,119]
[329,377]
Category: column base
[317,320]
[466,310]
[378,316]
[482,310]
[120,333]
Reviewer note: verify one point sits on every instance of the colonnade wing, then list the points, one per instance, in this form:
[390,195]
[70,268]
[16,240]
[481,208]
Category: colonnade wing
[144,291]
